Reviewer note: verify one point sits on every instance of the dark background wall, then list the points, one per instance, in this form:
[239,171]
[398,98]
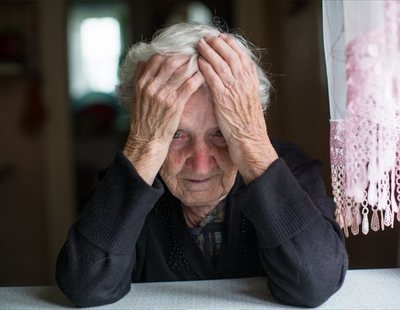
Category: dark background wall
[40,185]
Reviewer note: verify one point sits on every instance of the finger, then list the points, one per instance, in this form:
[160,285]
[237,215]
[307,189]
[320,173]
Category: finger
[211,78]
[181,74]
[237,47]
[150,70]
[248,64]
[215,60]
[176,80]
[140,66]
[189,87]
[156,74]
[228,54]
[171,69]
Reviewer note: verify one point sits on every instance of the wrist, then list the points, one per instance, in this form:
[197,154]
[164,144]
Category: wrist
[255,159]
[146,157]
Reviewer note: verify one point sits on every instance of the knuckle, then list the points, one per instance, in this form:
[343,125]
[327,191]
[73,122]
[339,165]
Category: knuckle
[230,82]
[171,63]
[195,81]
[159,96]
[230,39]
[232,59]
[221,67]
[151,89]
[213,39]
[220,97]
[140,84]
[168,102]
[191,84]
[166,99]
[156,58]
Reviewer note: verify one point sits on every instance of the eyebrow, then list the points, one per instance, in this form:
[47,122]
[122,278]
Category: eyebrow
[189,130]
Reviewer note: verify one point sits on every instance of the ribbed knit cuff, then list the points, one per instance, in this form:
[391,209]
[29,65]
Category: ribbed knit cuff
[276,205]
[117,210]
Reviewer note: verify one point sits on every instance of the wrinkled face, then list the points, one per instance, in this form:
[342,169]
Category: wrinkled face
[198,169]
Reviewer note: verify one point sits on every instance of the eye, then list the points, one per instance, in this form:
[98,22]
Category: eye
[218,134]
[179,140]
[218,138]
[178,134]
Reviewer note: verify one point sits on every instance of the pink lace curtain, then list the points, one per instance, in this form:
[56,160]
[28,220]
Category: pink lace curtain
[362,51]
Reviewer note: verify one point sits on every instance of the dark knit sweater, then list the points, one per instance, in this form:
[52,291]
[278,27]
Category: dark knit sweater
[280,226]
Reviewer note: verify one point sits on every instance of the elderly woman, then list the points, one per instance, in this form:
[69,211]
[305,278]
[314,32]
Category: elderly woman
[199,191]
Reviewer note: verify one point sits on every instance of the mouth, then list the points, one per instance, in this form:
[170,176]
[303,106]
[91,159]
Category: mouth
[199,181]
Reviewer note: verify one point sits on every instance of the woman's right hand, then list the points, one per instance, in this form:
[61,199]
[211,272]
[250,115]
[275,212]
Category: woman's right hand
[162,87]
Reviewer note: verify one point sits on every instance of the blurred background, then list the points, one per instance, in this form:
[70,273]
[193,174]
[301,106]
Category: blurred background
[60,121]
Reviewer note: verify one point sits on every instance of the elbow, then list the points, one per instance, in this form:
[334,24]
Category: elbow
[310,292]
[299,297]
[86,291]
[87,283]
[82,295]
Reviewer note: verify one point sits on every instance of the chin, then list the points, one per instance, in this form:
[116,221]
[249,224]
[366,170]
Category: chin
[199,194]
[197,201]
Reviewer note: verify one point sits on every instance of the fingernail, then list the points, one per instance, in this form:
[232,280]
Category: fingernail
[208,37]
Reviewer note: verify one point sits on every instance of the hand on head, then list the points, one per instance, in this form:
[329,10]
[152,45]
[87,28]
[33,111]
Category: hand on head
[162,87]
[164,84]
[231,76]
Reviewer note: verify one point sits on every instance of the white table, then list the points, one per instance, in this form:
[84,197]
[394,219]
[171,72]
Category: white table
[363,289]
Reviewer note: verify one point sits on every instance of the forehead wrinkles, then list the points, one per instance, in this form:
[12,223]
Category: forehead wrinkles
[198,112]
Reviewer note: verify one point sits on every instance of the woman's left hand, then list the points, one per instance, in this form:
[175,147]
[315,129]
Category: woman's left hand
[231,76]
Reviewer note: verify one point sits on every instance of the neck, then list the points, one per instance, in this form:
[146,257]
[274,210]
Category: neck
[194,215]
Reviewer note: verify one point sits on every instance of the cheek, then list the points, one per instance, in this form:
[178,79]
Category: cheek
[224,160]
[173,163]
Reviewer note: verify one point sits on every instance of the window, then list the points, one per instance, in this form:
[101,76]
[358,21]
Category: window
[94,43]
[192,11]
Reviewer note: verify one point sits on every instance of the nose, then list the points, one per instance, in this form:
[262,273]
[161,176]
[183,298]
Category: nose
[201,159]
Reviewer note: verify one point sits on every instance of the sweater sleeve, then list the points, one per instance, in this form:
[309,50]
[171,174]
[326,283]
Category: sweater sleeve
[301,246]
[94,266]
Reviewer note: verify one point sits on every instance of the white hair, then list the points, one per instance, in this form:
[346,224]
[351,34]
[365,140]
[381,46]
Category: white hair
[181,38]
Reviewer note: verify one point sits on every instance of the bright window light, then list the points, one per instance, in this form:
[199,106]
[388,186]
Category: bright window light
[198,12]
[100,41]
